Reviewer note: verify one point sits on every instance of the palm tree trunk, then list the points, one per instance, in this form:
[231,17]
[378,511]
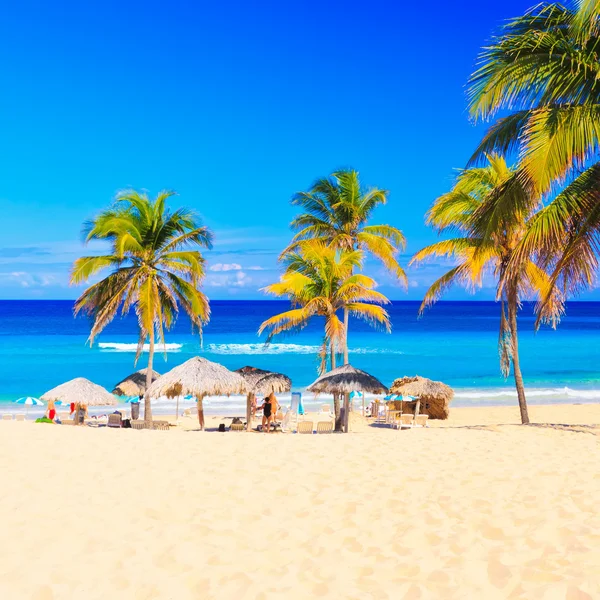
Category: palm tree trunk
[147,404]
[345,335]
[512,322]
[336,397]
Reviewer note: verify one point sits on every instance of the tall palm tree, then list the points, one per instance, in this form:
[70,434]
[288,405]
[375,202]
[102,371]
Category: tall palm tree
[319,281]
[337,210]
[478,252]
[156,267]
[543,69]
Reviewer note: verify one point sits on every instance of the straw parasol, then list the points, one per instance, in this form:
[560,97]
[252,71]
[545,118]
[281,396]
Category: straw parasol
[134,384]
[262,382]
[433,397]
[80,390]
[344,380]
[198,377]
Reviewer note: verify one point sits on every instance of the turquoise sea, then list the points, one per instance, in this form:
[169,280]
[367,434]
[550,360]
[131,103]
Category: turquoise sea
[42,345]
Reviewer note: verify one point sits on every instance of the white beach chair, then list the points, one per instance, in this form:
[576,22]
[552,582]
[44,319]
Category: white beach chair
[305,427]
[191,412]
[421,420]
[7,417]
[325,427]
[325,412]
[20,417]
[407,420]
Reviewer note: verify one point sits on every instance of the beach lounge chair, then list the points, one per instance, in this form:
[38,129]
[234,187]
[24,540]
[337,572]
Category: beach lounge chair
[7,417]
[325,412]
[160,425]
[237,427]
[325,427]
[305,427]
[407,420]
[20,417]
[191,412]
[67,421]
[421,420]
[114,421]
[137,424]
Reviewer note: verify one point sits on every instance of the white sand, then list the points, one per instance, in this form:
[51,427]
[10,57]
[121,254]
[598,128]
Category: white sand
[446,512]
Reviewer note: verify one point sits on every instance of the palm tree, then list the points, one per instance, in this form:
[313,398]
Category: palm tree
[337,212]
[543,69]
[319,281]
[156,267]
[480,251]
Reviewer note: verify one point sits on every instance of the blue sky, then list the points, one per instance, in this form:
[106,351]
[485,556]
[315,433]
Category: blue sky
[235,105]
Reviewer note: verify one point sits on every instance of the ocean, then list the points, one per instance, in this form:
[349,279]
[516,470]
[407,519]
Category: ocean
[43,345]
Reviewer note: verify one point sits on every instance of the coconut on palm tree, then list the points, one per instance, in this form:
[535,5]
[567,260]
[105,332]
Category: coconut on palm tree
[542,69]
[156,268]
[337,211]
[319,281]
[482,249]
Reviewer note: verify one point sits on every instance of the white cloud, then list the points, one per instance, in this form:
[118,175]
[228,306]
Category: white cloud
[28,280]
[225,267]
[231,280]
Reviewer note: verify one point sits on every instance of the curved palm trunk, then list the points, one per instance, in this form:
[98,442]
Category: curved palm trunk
[147,404]
[345,335]
[336,397]
[512,323]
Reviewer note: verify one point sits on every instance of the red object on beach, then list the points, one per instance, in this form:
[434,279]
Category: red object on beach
[72,407]
[51,414]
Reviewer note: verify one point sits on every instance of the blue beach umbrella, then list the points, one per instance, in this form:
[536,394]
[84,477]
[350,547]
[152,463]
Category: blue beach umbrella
[393,397]
[29,401]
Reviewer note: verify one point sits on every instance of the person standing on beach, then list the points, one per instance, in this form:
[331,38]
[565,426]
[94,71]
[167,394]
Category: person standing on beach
[267,408]
[51,410]
[275,406]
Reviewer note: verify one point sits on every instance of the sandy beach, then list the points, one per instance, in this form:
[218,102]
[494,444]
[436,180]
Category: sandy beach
[475,507]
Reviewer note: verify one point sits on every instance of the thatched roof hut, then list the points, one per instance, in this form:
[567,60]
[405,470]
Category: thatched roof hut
[262,382]
[80,390]
[198,377]
[134,384]
[265,382]
[434,396]
[346,379]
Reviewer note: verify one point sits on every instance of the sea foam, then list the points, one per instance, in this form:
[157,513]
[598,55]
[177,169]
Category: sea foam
[284,349]
[119,347]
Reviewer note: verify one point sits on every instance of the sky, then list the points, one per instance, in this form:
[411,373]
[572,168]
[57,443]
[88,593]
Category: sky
[236,106]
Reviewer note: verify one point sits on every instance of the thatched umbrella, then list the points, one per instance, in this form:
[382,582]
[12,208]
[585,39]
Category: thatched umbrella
[433,397]
[344,380]
[80,390]
[262,382]
[134,384]
[198,377]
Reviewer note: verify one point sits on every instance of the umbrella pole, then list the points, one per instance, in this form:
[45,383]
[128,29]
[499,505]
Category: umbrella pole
[177,411]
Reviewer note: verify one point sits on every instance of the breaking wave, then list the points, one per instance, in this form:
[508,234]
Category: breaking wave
[564,392]
[284,349]
[118,347]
